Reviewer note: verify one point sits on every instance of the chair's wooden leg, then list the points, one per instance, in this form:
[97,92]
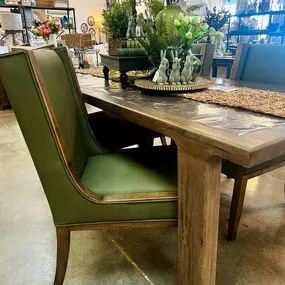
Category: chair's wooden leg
[163,140]
[237,203]
[147,143]
[63,244]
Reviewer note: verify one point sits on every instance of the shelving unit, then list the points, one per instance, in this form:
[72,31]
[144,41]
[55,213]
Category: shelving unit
[66,9]
[251,32]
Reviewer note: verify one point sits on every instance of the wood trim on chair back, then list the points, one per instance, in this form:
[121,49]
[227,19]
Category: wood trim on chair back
[239,61]
[206,51]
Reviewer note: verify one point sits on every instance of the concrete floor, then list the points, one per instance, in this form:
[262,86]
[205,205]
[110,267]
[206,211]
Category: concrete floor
[141,257]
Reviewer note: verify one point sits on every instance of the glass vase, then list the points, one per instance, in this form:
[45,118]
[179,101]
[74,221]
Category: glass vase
[197,65]
[219,47]
[167,17]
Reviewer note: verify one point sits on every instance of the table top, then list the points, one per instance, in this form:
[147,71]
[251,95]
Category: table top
[240,136]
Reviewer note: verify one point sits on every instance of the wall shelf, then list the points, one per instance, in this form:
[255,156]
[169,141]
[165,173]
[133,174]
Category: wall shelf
[37,7]
[281,12]
[253,32]
[256,33]
[21,7]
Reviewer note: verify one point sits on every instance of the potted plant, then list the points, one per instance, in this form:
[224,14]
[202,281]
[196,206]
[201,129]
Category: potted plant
[115,24]
[189,31]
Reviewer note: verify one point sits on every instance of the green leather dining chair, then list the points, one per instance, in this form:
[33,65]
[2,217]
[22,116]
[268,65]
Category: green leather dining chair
[86,187]
[261,64]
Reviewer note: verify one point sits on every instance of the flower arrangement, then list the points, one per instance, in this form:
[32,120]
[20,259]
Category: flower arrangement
[191,30]
[46,28]
[217,20]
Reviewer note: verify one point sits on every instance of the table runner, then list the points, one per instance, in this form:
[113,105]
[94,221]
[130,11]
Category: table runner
[98,72]
[260,101]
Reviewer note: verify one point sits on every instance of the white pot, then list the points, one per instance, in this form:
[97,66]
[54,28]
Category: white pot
[52,40]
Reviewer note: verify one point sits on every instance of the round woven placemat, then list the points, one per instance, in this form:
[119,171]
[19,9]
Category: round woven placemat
[200,83]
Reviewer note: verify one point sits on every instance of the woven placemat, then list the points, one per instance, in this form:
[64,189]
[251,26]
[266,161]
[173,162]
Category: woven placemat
[260,101]
[114,74]
[98,72]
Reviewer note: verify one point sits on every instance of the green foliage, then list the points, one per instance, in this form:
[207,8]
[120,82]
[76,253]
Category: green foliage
[152,44]
[155,6]
[192,8]
[216,19]
[116,19]
[158,37]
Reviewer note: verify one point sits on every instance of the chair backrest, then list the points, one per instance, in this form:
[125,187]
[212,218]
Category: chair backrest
[260,63]
[206,51]
[50,112]
[48,108]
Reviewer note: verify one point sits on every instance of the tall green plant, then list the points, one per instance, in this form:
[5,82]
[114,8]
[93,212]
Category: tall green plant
[190,31]
[153,43]
[155,6]
[157,38]
[116,19]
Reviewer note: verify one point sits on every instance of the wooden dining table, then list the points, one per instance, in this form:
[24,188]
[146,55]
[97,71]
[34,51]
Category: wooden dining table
[204,134]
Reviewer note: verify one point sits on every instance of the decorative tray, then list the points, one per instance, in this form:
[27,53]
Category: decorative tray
[199,84]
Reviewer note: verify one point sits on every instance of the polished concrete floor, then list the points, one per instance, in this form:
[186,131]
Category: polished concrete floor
[140,257]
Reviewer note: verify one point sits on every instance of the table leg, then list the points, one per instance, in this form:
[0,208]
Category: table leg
[97,59]
[229,70]
[198,215]
[214,70]
[124,79]
[106,73]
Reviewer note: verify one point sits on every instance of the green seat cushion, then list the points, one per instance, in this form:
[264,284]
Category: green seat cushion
[132,172]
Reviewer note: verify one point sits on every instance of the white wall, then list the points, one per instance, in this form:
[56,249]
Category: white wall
[86,8]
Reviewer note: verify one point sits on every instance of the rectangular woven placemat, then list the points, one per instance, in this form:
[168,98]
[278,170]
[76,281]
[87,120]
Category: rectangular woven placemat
[260,101]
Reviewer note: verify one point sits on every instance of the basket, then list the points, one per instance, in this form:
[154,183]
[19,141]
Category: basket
[80,41]
[114,45]
[46,3]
